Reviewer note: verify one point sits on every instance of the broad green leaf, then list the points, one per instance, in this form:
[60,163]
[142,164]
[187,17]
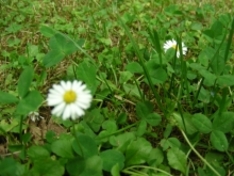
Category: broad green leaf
[87,72]
[224,122]
[84,146]
[219,140]
[204,56]
[138,152]
[47,167]
[202,123]
[218,64]
[5,126]
[209,77]
[125,76]
[10,166]
[158,75]
[131,89]
[110,158]
[6,98]
[94,119]
[122,140]
[196,26]
[177,159]
[25,81]
[170,143]
[110,125]
[204,95]
[47,31]
[63,147]
[134,67]
[153,119]
[84,167]
[216,31]
[36,152]
[52,58]
[184,122]
[216,159]
[156,157]
[30,103]
[143,109]
[115,171]
[225,80]
[61,46]
[141,128]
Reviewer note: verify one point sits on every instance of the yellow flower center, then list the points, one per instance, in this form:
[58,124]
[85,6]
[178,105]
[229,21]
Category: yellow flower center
[174,46]
[69,96]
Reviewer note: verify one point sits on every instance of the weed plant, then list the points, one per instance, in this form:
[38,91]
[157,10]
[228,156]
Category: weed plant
[154,111]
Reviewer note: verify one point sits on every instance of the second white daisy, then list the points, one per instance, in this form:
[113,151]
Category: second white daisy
[69,99]
[173,44]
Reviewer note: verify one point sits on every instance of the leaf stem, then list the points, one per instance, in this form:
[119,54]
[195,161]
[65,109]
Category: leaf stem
[197,153]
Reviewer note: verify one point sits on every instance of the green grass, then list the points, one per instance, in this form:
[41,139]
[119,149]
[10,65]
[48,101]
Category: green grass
[152,113]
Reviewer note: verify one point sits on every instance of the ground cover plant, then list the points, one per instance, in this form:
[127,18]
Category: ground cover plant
[135,87]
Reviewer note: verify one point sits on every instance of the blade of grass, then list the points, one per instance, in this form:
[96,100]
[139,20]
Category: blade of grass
[155,40]
[141,60]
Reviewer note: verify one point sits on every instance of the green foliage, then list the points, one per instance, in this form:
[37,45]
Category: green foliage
[25,81]
[61,46]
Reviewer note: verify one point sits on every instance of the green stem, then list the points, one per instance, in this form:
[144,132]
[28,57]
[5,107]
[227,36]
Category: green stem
[77,140]
[197,153]
[141,60]
[20,128]
[118,131]
[146,167]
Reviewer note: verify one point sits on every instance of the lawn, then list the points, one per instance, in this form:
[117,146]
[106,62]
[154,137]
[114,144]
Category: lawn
[128,87]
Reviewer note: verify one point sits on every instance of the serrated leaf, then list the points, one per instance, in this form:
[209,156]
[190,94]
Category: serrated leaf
[202,123]
[6,98]
[219,140]
[177,159]
[25,81]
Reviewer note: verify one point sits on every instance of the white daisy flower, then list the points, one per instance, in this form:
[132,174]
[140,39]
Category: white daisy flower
[69,99]
[34,116]
[173,44]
